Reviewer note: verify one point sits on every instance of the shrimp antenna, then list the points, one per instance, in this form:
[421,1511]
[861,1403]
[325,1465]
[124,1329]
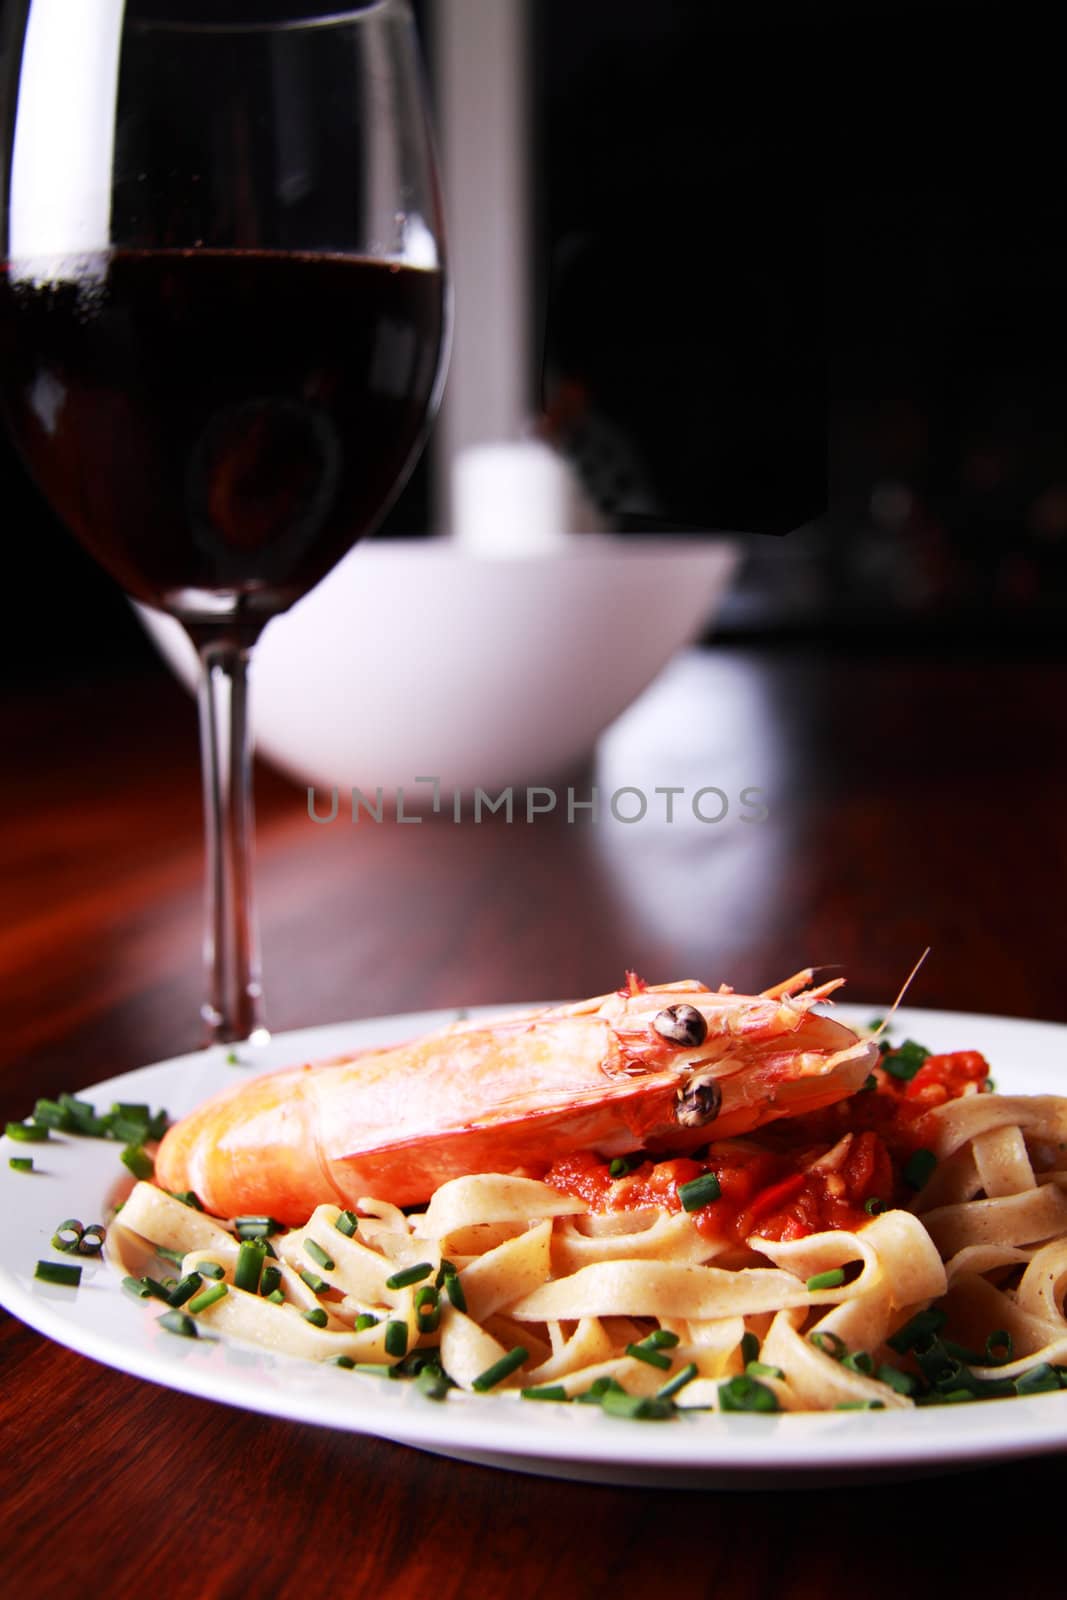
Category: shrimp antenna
[883,1025]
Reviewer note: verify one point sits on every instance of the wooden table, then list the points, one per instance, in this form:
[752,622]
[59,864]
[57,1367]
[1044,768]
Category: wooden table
[911,802]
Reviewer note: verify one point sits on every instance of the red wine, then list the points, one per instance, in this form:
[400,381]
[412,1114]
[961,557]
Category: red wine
[218,427]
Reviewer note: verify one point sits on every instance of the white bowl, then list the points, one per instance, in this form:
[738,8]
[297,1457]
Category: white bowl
[415,658]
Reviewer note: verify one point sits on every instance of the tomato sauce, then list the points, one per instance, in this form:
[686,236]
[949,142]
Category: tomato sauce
[799,1175]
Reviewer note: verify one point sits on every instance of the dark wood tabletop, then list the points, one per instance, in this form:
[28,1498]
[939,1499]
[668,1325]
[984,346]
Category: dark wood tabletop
[912,800]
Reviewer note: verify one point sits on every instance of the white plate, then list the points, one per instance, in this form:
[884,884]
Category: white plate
[78,1178]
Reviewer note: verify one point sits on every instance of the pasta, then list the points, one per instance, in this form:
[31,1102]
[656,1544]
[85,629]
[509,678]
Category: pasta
[534,1286]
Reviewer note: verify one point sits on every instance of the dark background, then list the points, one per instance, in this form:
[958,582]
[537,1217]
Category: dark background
[824,284]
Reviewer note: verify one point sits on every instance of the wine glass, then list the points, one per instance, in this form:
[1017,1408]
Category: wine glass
[223,315]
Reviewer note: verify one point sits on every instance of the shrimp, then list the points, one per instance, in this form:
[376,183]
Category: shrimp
[658,1067]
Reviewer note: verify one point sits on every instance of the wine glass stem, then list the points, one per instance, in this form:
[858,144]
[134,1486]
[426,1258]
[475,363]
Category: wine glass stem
[232,1009]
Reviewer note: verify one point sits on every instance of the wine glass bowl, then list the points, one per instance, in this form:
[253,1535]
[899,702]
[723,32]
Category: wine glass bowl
[223,314]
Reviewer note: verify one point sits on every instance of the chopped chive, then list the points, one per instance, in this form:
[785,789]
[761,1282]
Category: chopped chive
[876,1023]
[998,1348]
[760,1369]
[316,1284]
[67,1235]
[232,1058]
[137,1160]
[375,1369]
[427,1308]
[246,1273]
[59,1272]
[92,1240]
[621,1166]
[27,1132]
[860,1405]
[347,1223]
[175,1257]
[396,1338]
[685,1375]
[747,1394]
[256,1227]
[409,1275]
[177,1322]
[905,1059]
[270,1279]
[156,1289]
[1037,1380]
[661,1339]
[749,1348]
[870,1082]
[920,1168]
[187,1198]
[319,1256]
[128,1130]
[651,1358]
[874,1207]
[829,1344]
[136,1287]
[317,1317]
[859,1361]
[989,1086]
[340,1361]
[902,1382]
[432,1383]
[210,1297]
[275,1297]
[366,1320]
[597,1389]
[454,1290]
[922,1327]
[210,1269]
[185,1290]
[501,1369]
[699,1192]
[547,1391]
[20,1163]
[635,1407]
[827,1280]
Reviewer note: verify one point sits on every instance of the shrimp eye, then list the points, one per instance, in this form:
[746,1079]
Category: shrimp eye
[681,1025]
[699,1102]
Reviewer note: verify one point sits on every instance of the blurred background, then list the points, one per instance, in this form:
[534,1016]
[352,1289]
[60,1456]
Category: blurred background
[752,268]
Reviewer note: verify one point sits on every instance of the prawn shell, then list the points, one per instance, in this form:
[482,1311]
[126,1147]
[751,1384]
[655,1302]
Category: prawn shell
[500,1097]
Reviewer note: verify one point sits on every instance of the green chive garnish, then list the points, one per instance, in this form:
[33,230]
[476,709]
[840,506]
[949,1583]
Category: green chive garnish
[364,1321]
[232,1059]
[747,1394]
[1037,1380]
[316,1284]
[210,1297]
[547,1391]
[661,1339]
[340,1361]
[499,1370]
[870,1082]
[256,1227]
[427,1308]
[396,1338]
[749,1348]
[432,1383]
[317,1317]
[319,1256]
[861,1405]
[275,1297]
[58,1272]
[138,1161]
[699,1192]
[454,1290]
[859,1361]
[210,1269]
[409,1275]
[270,1279]
[905,1060]
[874,1207]
[27,1132]
[651,1357]
[902,1382]
[920,1168]
[827,1280]
[760,1369]
[173,1256]
[187,1198]
[185,1290]
[922,1327]
[67,1235]
[347,1223]
[20,1163]
[829,1344]
[177,1322]
[679,1381]
[620,1167]
[637,1408]
[249,1266]
[136,1287]
[375,1369]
